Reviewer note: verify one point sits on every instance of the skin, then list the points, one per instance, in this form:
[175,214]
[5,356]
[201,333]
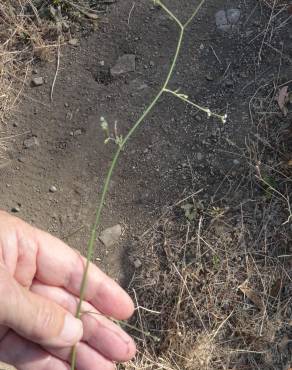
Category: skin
[40,279]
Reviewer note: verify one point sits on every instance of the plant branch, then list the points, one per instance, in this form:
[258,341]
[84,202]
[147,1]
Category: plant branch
[114,162]
[172,16]
[184,98]
[194,14]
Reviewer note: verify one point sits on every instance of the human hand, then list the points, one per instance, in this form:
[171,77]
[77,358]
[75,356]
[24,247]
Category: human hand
[40,279]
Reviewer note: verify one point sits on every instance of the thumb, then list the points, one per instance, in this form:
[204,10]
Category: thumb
[34,317]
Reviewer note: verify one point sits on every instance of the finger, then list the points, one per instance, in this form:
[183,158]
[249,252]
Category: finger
[99,332]
[25,355]
[35,317]
[59,265]
[87,358]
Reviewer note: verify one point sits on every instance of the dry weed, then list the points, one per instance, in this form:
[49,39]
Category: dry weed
[222,287]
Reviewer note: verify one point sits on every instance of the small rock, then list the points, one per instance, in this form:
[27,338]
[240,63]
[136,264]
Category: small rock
[137,84]
[31,142]
[221,21]
[111,236]
[199,156]
[209,77]
[21,160]
[15,209]
[226,20]
[137,263]
[37,81]
[236,162]
[73,42]
[53,189]
[77,132]
[151,63]
[229,83]
[233,16]
[125,64]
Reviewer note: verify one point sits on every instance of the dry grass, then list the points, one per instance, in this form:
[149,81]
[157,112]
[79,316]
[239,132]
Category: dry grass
[222,287]
[31,31]
[22,35]
[217,290]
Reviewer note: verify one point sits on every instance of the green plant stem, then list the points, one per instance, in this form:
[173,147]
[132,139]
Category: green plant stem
[194,14]
[186,100]
[117,155]
[106,186]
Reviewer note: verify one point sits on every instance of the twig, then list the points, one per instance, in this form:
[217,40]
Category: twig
[130,13]
[57,70]
[265,33]
[216,56]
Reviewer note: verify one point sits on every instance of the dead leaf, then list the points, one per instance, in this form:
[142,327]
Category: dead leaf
[252,295]
[282,99]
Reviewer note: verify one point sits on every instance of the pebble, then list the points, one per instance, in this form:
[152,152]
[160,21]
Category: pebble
[209,77]
[73,42]
[199,156]
[221,21]
[77,132]
[236,162]
[225,20]
[138,84]
[37,81]
[229,83]
[125,64]
[53,189]
[233,15]
[137,263]
[31,142]
[15,209]
[111,235]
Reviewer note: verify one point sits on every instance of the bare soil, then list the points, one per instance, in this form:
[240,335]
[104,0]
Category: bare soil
[178,151]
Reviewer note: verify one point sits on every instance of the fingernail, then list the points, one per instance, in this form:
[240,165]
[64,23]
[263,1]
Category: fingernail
[72,330]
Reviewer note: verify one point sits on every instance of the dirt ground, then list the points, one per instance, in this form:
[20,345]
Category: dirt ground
[177,148]
[177,152]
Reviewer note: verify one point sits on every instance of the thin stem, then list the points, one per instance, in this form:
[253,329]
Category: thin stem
[206,110]
[106,186]
[170,13]
[194,14]
[121,147]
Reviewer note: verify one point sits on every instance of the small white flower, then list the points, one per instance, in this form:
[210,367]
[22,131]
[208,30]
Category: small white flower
[104,124]
[224,118]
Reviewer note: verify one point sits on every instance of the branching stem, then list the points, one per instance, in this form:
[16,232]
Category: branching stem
[123,144]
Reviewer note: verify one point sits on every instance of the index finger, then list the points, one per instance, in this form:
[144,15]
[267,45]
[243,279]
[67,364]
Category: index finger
[59,265]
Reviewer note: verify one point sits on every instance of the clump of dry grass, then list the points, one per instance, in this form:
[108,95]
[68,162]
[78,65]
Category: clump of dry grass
[216,291]
[31,31]
[22,35]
